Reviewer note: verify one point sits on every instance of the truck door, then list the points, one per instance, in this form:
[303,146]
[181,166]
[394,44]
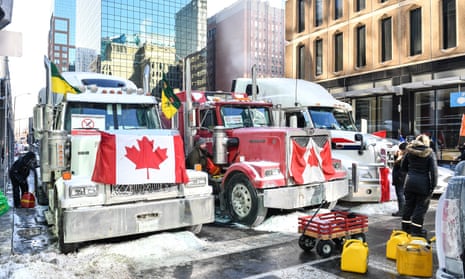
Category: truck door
[206,123]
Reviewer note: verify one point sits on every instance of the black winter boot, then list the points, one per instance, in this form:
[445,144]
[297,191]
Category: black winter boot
[406,227]
[417,230]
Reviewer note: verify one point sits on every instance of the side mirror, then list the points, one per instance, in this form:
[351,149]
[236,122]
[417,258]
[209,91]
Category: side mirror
[359,137]
[38,121]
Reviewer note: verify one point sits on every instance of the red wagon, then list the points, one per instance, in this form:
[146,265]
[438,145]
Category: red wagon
[326,230]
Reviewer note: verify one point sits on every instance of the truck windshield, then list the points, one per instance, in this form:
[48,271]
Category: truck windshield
[110,116]
[239,117]
[332,119]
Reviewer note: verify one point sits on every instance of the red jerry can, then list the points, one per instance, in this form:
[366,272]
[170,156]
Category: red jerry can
[28,200]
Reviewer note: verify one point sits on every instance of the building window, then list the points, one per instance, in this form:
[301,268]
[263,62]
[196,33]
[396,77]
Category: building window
[301,16]
[386,39]
[360,5]
[318,57]
[337,9]
[449,24]
[361,43]
[415,31]
[338,52]
[301,63]
[318,12]
[382,1]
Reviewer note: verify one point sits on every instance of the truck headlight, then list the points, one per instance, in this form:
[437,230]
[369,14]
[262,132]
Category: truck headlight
[196,178]
[197,182]
[83,191]
[272,172]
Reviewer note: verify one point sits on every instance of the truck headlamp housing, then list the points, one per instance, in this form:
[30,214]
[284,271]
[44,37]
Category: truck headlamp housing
[83,191]
[271,172]
[197,182]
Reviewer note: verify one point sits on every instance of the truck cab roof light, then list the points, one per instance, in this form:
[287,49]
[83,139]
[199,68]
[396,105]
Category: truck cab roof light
[93,88]
[140,91]
[82,88]
[240,96]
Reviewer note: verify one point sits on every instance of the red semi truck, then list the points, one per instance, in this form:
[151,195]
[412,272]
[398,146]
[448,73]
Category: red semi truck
[262,166]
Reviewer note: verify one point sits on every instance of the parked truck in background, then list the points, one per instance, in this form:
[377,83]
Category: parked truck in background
[260,166]
[302,103]
[108,168]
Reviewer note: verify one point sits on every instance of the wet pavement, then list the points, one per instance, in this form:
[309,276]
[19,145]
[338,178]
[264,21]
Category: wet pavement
[23,230]
[30,233]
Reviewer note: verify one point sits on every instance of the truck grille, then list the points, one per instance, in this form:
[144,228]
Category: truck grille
[320,140]
[120,190]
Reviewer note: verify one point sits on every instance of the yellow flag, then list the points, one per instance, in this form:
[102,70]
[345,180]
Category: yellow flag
[169,101]
[59,84]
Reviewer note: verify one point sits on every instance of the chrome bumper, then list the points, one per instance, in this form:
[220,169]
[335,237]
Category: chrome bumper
[366,192]
[305,195]
[100,222]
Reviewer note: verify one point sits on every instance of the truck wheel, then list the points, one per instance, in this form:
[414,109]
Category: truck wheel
[244,205]
[325,248]
[41,196]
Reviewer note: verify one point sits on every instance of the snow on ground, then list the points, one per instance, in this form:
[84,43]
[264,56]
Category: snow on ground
[124,259]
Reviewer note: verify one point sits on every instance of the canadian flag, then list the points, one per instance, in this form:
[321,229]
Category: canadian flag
[125,158]
[310,163]
[327,160]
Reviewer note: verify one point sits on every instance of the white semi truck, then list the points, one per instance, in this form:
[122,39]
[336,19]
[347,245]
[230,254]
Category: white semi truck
[108,169]
[305,104]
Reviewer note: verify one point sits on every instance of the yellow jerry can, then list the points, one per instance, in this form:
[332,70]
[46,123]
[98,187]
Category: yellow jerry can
[415,258]
[397,237]
[354,256]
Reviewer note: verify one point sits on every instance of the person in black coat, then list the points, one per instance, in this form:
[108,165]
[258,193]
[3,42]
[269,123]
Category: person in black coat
[420,164]
[198,155]
[398,178]
[19,173]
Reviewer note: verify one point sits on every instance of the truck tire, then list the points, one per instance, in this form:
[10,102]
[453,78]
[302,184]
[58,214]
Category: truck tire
[41,196]
[243,202]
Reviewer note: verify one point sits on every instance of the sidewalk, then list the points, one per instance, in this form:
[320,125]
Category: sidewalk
[23,230]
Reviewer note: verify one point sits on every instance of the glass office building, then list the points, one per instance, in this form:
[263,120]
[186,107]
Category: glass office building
[62,33]
[135,33]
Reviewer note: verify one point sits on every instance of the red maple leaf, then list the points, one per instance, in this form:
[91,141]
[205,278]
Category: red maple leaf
[146,157]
